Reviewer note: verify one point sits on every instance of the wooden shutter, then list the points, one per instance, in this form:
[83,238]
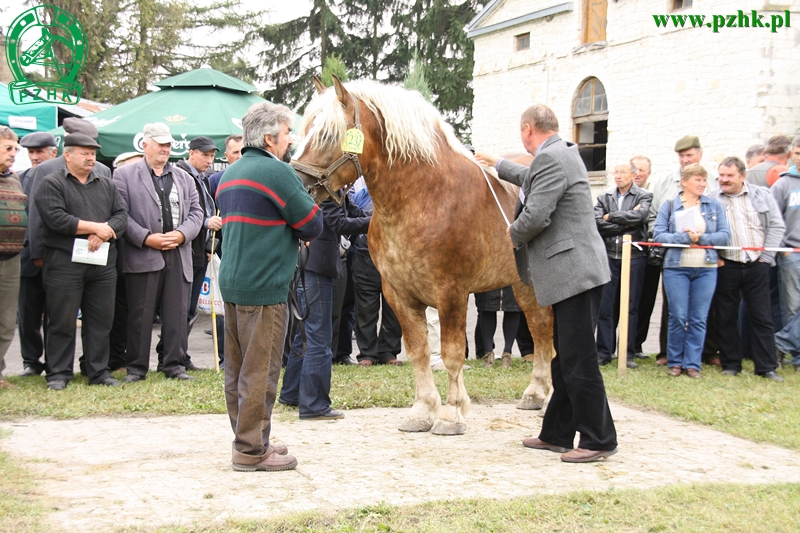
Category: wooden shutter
[594,22]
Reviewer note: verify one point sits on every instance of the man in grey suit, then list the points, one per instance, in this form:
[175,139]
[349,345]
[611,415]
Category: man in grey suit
[164,215]
[560,253]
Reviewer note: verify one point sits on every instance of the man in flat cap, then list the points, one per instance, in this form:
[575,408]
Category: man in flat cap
[41,147]
[83,215]
[164,215]
[689,152]
[32,294]
[201,156]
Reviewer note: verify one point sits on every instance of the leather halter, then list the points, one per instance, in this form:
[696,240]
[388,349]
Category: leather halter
[323,177]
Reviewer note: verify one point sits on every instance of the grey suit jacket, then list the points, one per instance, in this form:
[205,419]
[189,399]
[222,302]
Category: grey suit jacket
[144,217]
[558,249]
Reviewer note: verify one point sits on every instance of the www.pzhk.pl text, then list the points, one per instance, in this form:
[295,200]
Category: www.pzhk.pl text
[717,22]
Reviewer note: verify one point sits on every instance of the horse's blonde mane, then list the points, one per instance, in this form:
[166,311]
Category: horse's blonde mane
[411,125]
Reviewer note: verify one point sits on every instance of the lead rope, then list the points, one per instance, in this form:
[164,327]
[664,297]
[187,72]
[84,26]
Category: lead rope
[497,200]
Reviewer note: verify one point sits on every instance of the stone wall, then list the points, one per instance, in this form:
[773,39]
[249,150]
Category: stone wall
[733,88]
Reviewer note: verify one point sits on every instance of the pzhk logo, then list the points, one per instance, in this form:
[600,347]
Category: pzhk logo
[30,42]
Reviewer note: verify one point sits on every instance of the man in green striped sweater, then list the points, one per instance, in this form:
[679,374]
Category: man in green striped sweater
[265,213]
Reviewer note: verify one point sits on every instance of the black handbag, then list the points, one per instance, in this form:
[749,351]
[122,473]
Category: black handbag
[655,255]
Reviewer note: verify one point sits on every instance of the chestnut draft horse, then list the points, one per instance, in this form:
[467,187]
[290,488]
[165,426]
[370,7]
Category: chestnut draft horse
[437,233]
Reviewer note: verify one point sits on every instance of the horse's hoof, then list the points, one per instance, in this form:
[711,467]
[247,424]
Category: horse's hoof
[529,403]
[415,425]
[443,427]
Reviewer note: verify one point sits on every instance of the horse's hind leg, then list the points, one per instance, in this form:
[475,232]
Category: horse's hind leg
[453,321]
[540,322]
[415,335]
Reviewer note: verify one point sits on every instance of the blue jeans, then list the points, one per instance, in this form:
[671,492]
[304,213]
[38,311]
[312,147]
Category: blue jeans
[788,339]
[689,292]
[609,308]
[307,380]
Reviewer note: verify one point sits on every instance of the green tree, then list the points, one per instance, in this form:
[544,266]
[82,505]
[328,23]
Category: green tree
[417,81]
[297,49]
[333,65]
[133,43]
[437,36]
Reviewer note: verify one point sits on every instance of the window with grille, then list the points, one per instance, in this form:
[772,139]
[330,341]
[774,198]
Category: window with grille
[590,117]
[523,41]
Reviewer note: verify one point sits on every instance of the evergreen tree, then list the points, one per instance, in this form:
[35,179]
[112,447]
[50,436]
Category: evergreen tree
[417,81]
[133,43]
[297,49]
[333,65]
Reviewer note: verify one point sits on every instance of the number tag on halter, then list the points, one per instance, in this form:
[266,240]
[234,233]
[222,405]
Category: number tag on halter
[353,141]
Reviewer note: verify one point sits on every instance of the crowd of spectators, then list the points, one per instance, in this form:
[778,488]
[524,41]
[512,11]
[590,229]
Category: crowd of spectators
[713,305]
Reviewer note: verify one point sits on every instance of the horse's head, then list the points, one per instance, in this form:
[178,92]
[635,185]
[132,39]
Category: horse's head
[337,144]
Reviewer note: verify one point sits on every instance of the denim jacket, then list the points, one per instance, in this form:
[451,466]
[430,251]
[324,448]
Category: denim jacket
[717,232]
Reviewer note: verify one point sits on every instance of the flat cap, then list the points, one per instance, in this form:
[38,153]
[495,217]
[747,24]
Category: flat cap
[202,143]
[79,125]
[125,156]
[158,131]
[40,139]
[689,141]
[79,139]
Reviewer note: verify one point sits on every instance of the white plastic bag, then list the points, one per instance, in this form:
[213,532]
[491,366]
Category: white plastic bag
[210,290]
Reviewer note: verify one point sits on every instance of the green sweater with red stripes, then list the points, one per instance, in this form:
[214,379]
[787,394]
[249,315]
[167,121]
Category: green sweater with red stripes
[265,211]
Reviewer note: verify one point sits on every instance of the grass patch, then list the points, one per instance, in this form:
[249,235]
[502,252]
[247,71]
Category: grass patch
[679,508]
[747,406]
[21,507]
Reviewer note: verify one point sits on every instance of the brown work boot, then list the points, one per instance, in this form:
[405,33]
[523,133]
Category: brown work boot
[271,463]
[505,362]
[5,384]
[488,360]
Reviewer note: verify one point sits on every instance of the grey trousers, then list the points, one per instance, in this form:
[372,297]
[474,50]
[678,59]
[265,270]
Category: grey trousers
[253,350]
[9,293]
[144,291]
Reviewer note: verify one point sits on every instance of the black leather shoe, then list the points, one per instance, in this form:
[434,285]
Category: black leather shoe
[208,332]
[641,355]
[188,365]
[132,378]
[333,414]
[57,384]
[108,382]
[773,376]
[344,361]
[631,364]
[183,376]
[603,362]
[29,371]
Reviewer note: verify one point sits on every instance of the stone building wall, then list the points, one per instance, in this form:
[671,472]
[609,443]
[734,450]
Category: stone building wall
[733,88]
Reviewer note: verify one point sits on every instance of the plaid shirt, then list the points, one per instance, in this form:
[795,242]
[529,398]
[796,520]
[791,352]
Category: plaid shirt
[745,225]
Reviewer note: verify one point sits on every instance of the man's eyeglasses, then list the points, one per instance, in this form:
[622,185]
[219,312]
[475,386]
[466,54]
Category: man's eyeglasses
[9,148]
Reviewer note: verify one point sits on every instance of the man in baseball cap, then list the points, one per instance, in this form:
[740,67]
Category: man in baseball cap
[202,151]
[159,132]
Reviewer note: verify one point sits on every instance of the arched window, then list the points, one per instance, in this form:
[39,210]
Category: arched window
[590,116]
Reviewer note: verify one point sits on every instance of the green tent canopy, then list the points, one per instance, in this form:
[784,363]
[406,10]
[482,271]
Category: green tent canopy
[200,102]
[27,118]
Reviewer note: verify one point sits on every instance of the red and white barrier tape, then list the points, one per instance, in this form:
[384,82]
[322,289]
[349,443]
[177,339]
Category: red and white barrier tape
[746,248]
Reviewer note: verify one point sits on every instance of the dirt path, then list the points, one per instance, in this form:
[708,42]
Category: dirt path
[176,470]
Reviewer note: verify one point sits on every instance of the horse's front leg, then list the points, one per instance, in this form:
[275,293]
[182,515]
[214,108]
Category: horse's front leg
[415,335]
[453,321]
[540,323]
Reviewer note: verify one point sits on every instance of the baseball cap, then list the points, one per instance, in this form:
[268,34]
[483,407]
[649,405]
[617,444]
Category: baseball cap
[202,143]
[159,132]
